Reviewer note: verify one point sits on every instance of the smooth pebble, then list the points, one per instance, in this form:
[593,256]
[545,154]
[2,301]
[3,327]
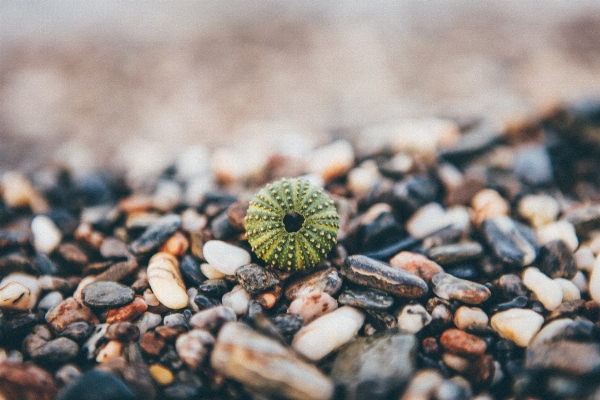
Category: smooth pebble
[46,235]
[166,282]
[518,325]
[211,272]
[412,318]
[237,299]
[14,296]
[563,230]
[312,305]
[538,209]
[225,257]
[193,347]
[449,287]
[569,289]
[465,316]
[548,292]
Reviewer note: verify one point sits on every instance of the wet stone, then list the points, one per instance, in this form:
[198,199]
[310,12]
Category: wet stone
[381,276]
[190,271]
[375,367]
[512,242]
[556,260]
[449,287]
[255,279]
[156,234]
[264,365]
[462,344]
[77,331]
[26,381]
[54,351]
[69,311]
[127,312]
[416,264]
[213,288]
[107,294]
[453,253]
[367,299]
[326,281]
[104,387]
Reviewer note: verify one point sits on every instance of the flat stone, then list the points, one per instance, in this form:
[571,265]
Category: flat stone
[382,276]
[366,299]
[454,253]
[325,281]
[416,264]
[107,294]
[213,287]
[118,271]
[517,324]
[255,279]
[166,282]
[462,343]
[55,351]
[513,243]
[327,333]
[225,257]
[548,292]
[69,311]
[156,234]
[264,365]
[26,381]
[449,287]
[375,367]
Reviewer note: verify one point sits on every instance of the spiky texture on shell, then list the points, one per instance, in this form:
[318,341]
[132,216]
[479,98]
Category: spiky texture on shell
[266,230]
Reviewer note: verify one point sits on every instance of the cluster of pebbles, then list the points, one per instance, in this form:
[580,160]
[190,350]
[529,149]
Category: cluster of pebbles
[465,267]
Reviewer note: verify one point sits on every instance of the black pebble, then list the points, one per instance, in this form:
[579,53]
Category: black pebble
[96,385]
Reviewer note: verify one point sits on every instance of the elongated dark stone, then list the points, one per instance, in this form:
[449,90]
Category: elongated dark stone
[513,243]
[156,234]
[366,298]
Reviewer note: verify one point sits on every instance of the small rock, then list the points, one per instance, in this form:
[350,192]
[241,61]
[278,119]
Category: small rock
[44,265]
[323,281]
[123,332]
[67,374]
[107,294]
[362,178]
[128,312]
[152,343]
[381,276]
[512,242]
[17,191]
[462,344]
[331,161]
[55,351]
[312,306]
[584,259]
[255,279]
[413,317]
[77,331]
[416,264]
[456,362]
[268,299]
[225,257]
[548,292]
[533,165]
[166,281]
[449,287]
[423,385]
[327,333]
[148,321]
[113,248]
[237,299]
[193,347]
[176,245]
[433,217]
[487,204]
[162,375]
[262,364]
[287,324]
[556,260]
[569,290]
[454,253]
[73,254]
[538,209]
[26,381]
[46,235]
[104,386]
[465,316]
[213,287]
[90,346]
[190,271]
[69,311]
[50,300]
[211,319]
[375,367]
[29,281]
[366,299]
[211,272]
[14,296]
[594,284]
[585,219]
[156,234]
[560,230]
[510,286]
[111,350]
[517,324]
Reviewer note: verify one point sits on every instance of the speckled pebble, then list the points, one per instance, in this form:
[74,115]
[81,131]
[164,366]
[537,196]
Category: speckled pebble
[548,292]
[14,296]
[166,281]
[326,280]
[412,318]
[517,324]
[67,312]
[449,287]
[312,306]
[225,257]
[255,279]
[156,234]
[211,319]
[366,299]
[556,260]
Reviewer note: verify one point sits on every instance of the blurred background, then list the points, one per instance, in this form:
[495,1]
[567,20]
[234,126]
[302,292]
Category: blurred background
[102,83]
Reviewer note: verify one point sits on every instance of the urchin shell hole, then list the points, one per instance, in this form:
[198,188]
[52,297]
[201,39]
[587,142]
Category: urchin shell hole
[293,222]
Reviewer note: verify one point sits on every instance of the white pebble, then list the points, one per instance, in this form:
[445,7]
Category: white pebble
[148,321]
[29,281]
[569,290]
[424,135]
[548,292]
[517,324]
[594,285]
[150,298]
[17,191]
[46,235]
[465,316]
[14,296]
[551,331]
[457,363]
[331,161]
[488,203]
[211,272]
[584,258]
[413,317]
[327,333]
[312,305]
[361,179]
[432,217]
[225,257]
[166,282]
[538,209]
[563,230]
[581,281]
[237,299]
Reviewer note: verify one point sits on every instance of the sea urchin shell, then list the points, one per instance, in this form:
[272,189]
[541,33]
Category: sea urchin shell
[291,224]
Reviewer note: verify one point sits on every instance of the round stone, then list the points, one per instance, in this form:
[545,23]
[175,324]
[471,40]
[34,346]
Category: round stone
[107,294]
[517,324]
[225,257]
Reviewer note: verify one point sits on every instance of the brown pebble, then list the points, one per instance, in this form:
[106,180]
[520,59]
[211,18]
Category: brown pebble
[136,203]
[152,343]
[416,264]
[123,331]
[68,311]
[114,248]
[176,245]
[72,253]
[118,271]
[169,333]
[430,346]
[481,371]
[269,299]
[128,312]
[113,349]
[462,343]
[86,234]
[236,214]
[592,310]
[25,381]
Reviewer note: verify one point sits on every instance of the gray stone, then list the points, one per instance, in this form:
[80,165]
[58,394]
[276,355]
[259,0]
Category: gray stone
[107,294]
[512,242]
[366,298]
[457,252]
[156,234]
[375,367]
[255,279]
[57,350]
[449,287]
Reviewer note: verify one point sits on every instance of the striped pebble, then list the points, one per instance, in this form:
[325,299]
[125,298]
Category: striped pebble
[166,282]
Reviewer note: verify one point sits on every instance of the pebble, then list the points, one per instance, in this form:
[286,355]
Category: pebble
[118,271]
[46,235]
[513,243]
[547,291]
[225,257]
[147,321]
[211,319]
[211,272]
[327,333]
[533,165]
[166,281]
[487,204]
[50,300]
[44,265]
[156,234]
[123,332]
[14,296]
[193,347]
[69,311]
[268,299]
[584,259]
[412,318]
[312,306]
[518,325]
[462,344]
[73,254]
[594,284]
[366,299]
[190,271]
[67,374]
[323,281]
[416,264]
[107,294]
[29,281]
[255,279]
[112,349]
[176,245]
[375,367]
[449,287]
[112,247]
[423,385]
[213,287]
[570,290]
[455,362]
[454,253]
[77,331]
[584,219]
[538,209]
[361,179]
[127,312]
[152,343]
[161,374]
[104,386]
[382,276]
[465,316]
[433,217]
[90,346]
[17,192]
[237,299]
[331,161]
[556,260]
[426,135]
[55,351]
[560,230]
[264,365]
[26,381]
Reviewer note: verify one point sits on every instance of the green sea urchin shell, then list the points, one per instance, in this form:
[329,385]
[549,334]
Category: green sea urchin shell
[291,224]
